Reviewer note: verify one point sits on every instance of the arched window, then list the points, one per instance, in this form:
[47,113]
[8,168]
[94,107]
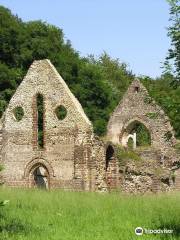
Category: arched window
[109,155]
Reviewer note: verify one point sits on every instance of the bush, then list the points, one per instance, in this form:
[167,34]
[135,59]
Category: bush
[124,155]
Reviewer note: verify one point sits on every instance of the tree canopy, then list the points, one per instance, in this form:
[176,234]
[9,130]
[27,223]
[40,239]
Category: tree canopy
[98,83]
[174,34]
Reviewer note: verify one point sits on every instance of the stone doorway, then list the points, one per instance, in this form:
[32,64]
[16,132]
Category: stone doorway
[39,177]
[109,155]
[112,169]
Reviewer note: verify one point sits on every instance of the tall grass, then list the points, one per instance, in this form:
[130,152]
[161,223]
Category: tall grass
[58,215]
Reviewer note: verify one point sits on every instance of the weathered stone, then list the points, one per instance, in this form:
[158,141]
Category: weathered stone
[67,152]
[72,157]
[157,161]
[135,107]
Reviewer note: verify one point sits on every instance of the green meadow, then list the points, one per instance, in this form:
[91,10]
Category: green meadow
[56,215]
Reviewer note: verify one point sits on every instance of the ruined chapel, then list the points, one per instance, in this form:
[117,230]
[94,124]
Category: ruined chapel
[54,146]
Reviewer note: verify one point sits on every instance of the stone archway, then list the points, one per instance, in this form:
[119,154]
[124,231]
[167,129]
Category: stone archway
[38,174]
[39,177]
[137,131]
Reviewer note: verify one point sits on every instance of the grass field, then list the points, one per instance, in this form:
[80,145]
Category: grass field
[56,215]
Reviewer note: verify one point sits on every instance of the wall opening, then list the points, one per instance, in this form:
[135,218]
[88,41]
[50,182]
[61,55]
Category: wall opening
[131,142]
[61,112]
[18,113]
[39,177]
[109,155]
[135,135]
[136,89]
[40,120]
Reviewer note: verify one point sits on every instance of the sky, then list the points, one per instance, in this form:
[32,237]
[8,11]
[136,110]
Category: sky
[134,31]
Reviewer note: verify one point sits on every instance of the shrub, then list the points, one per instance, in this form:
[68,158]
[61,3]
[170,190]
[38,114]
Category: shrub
[124,155]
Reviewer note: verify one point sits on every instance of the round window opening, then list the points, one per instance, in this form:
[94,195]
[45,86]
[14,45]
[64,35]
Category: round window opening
[61,112]
[18,113]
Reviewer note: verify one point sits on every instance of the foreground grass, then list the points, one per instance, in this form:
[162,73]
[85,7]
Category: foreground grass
[56,215]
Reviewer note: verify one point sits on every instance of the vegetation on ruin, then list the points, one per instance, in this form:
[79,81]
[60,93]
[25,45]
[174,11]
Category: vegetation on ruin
[152,115]
[79,215]
[124,155]
[98,83]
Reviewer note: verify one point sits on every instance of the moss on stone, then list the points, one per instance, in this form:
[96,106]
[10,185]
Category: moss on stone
[152,115]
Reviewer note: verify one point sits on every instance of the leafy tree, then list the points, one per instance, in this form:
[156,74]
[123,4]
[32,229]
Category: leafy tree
[167,97]
[98,83]
[94,82]
[174,34]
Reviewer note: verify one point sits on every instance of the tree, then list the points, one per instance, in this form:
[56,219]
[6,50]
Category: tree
[174,34]
[167,97]
[97,84]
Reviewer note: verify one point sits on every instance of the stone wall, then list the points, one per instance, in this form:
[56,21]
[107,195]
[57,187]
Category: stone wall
[98,167]
[144,173]
[137,106]
[72,157]
[112,171]
[67,150]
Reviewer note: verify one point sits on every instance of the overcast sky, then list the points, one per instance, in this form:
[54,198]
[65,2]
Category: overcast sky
[132,30]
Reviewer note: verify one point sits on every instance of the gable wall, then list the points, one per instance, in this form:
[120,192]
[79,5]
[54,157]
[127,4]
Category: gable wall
[61,138]
[139,106]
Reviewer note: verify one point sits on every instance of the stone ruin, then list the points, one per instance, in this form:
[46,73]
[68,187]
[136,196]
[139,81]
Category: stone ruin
[55,147]
[158,163]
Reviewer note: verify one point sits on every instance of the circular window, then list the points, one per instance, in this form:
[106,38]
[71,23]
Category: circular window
[18,113]
[61,112]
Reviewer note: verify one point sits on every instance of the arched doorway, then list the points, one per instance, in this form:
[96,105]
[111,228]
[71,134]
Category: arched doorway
[109,155]
[39,177]
[135,135]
